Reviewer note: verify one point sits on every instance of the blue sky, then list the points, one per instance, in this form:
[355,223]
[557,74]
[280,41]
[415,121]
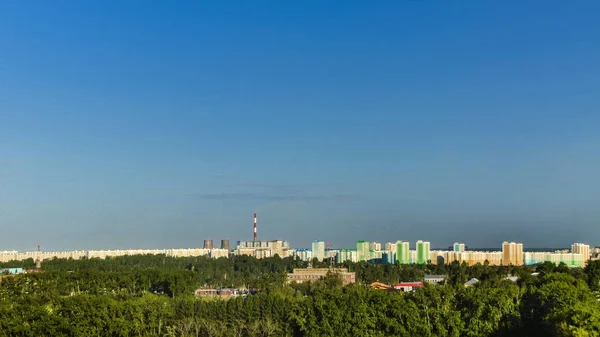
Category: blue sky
[130,124]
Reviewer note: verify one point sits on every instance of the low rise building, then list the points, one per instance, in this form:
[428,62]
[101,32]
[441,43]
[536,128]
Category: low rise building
[435,279]
[408,286]
[11,271]
[300,275]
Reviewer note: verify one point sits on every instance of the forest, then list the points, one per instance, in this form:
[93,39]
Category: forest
[154,296]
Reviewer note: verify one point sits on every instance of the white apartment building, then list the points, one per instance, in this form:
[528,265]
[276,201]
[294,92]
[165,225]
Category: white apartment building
[318,250]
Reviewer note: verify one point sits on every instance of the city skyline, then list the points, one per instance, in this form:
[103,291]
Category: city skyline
[134,124]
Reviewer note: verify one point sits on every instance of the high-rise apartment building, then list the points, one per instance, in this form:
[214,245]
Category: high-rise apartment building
[346,255]
[512,254]
[583,249]
[318,250]
[458,247]
[402,252]
[374,246]
[363,251]
[423,251]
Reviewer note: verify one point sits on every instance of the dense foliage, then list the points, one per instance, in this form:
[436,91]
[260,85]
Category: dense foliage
[153,296]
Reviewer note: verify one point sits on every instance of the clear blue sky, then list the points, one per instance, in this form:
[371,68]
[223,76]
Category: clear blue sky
[130,124]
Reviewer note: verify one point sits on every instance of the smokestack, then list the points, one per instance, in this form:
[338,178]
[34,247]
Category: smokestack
[208,244]
[254,226]
[225,244]
[38,261]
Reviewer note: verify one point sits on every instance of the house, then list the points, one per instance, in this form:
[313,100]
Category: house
[435,279]
[408,286]
[471,282]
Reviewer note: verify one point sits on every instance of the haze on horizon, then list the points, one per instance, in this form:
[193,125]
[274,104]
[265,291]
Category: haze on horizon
[152,124]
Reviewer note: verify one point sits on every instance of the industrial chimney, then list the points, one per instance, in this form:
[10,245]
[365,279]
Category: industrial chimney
[208,244]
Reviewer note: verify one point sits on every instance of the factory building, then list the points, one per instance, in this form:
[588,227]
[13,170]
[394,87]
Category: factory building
[264,249]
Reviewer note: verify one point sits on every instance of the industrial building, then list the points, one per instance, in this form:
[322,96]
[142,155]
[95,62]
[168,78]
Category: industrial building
[264,249]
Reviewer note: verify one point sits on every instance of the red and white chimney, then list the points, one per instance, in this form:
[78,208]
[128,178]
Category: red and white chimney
[254,226]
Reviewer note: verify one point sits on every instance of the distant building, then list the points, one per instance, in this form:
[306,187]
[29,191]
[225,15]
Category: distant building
[583,249]
[423,252]
[264,249]
[346,255]
[388,256]
[304,254]
[470,257]
[512,254]
[402,252]
[318,250]
[217,253]
[363,251]
[374,246]
[458,247]
[569,259]
[300,275]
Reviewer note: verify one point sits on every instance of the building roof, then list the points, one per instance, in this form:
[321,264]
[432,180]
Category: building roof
[409,284]
[435,276]
[471,282]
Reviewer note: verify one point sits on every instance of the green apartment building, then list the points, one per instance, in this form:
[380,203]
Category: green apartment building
[402,252]
[362,250]
[423,252]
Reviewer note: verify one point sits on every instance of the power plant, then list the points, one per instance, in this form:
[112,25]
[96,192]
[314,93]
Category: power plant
[208,244]
[225,244]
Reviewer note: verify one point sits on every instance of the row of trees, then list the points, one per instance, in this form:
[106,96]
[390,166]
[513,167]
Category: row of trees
[152,296]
